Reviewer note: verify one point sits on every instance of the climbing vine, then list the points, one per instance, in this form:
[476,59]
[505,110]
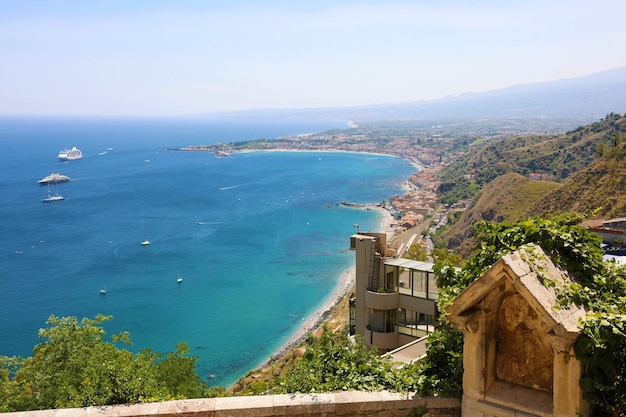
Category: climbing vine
[599,287]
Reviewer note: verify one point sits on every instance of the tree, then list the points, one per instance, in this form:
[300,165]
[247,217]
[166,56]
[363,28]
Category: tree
[442,255]
[74,366]
[598,286]
[417,253]
[177,373]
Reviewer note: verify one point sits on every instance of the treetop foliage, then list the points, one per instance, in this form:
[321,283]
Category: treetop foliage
[335,362]
[74,366]
[417,253]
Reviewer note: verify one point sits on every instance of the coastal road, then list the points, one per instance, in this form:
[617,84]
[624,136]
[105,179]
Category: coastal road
[402,241]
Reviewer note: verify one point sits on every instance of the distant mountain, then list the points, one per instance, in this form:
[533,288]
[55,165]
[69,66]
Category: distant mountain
[588,98]
[591,96]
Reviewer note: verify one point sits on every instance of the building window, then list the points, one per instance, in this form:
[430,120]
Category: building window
[391,283]
[414,323]
[433,291]
[420,284]
[404,281]
[416,283]
[382,321]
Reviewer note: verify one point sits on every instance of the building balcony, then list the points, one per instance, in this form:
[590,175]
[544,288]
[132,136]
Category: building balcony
[383,341]
[381,300]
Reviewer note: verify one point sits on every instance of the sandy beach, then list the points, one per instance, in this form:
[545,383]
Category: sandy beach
[313,322]
[344,286]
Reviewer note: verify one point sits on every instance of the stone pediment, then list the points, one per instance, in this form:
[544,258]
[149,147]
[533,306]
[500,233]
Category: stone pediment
[530,273]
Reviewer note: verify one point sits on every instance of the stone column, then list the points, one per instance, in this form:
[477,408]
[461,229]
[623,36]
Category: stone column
[475,348]
[567,395]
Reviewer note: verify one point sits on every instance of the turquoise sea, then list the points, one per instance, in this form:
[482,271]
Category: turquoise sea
[257,237]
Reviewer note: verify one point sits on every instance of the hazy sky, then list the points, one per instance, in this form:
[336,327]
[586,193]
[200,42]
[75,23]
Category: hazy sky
[155,57]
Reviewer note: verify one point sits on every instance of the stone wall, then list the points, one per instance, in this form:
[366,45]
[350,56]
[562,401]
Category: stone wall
[370,404]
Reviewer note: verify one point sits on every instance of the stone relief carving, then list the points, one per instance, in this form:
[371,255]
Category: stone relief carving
[523,354]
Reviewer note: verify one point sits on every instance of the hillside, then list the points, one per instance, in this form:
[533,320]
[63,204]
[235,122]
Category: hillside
[598,189]
[550,157]
[505,199]
[556,156]
[597,184]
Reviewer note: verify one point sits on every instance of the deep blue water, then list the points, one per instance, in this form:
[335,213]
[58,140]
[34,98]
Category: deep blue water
[257,237]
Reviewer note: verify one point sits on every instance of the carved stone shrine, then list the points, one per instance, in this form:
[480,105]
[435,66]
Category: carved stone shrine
[518,354]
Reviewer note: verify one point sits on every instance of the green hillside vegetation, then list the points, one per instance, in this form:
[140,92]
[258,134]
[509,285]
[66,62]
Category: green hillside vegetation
[554,156]
[598,189]
[505,199]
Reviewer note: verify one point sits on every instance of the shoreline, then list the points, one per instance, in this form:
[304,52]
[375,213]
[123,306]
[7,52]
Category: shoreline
[317,318]
[347,279]
[344,285]
[222,154]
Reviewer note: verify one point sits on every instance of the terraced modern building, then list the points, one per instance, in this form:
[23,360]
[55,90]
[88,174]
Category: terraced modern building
[396,298]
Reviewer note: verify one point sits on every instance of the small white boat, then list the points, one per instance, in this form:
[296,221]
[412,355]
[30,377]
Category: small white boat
[103,290]
[179,279]
[51,198]
[145,243]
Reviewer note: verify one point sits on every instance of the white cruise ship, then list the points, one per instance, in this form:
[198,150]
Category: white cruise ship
[70,154]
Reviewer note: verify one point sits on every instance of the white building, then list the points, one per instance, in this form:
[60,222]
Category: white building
[396,298]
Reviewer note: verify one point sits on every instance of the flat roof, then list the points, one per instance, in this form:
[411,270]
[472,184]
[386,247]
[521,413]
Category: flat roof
[411,264]
[411,352]
[618,219]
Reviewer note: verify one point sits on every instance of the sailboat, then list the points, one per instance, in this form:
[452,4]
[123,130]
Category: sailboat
[103,290]
[51,198]
[179,279]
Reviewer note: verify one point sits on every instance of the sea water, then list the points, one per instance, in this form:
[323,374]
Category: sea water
[258,238]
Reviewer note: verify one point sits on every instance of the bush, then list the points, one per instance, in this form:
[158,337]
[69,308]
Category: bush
[75,367]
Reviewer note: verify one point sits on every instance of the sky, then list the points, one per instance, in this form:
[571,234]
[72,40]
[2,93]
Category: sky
[178,57]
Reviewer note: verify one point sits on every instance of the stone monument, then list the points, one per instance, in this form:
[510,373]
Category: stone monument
[518,354]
